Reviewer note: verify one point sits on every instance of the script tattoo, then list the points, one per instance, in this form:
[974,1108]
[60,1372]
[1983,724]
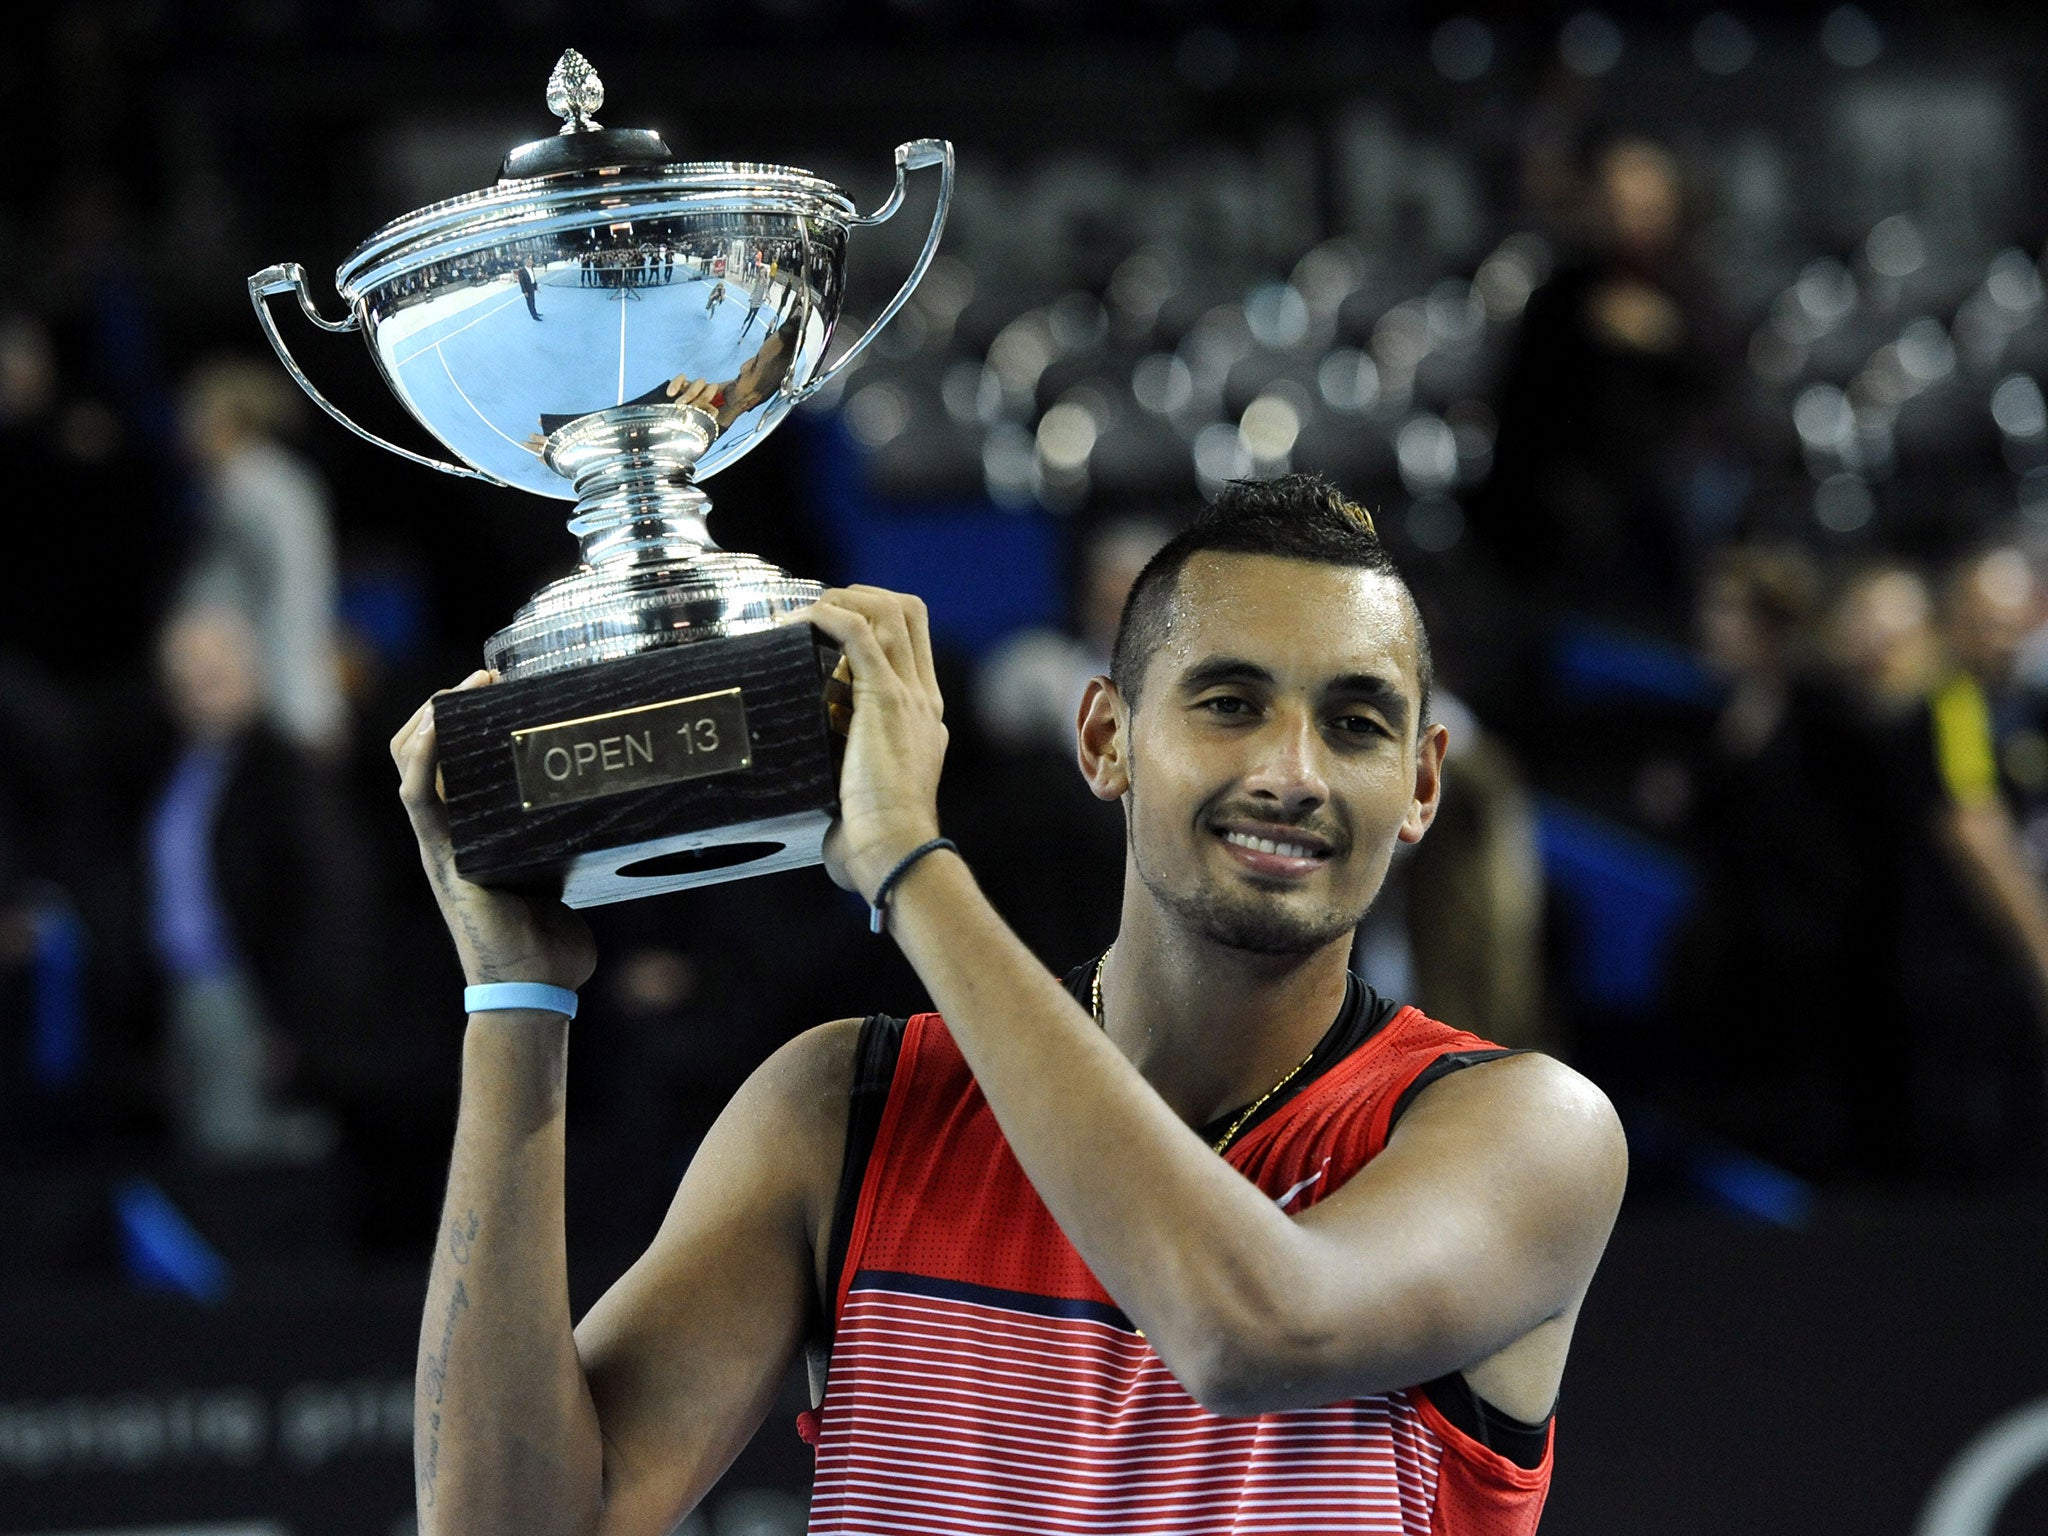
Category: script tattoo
[460,1236]
[434,1369]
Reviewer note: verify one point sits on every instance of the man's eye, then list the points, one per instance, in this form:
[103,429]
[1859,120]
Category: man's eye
[1360,725]
[1227,704]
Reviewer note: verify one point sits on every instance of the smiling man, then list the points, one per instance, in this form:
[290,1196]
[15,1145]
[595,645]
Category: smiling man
[1207,1238]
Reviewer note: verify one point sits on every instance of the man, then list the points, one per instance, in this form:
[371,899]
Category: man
[1610,390]
[248,879]
[1973,964]
[267,543]
[1051,1304]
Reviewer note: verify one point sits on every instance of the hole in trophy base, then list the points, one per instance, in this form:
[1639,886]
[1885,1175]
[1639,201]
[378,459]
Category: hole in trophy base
[691,861]
[681,860]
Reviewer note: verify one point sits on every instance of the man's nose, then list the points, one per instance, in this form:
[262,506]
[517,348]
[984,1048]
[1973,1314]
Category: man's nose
[1289,769]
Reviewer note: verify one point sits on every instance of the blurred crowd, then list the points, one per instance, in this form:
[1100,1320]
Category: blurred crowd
[1732,532]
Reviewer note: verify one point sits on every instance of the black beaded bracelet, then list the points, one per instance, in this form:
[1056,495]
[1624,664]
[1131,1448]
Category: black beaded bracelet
[878,916]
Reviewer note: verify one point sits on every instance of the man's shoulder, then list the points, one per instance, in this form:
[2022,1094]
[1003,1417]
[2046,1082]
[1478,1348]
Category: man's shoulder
[1543,1078]
[1557,1116]
[1533,1081]
[812,1074]
[788,1121]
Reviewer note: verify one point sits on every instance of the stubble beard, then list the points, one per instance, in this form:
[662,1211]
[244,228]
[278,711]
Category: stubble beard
[1251,925]
[1248,921]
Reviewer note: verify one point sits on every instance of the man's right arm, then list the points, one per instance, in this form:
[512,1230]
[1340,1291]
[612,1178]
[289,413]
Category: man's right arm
[686,1353]
[619,1427]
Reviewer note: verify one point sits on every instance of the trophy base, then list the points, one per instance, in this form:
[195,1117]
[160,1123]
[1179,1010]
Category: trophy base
[696,858]
[695,763]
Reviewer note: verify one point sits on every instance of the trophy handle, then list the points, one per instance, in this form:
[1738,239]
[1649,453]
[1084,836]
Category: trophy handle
[914,156]
[290,277]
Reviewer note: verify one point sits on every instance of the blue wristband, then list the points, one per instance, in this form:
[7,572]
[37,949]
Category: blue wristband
[537,995]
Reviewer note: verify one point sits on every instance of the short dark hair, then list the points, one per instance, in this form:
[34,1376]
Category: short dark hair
[1296,517]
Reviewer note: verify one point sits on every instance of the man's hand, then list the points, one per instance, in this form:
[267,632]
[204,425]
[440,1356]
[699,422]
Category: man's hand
[705,394]
[499,935]
[896,737]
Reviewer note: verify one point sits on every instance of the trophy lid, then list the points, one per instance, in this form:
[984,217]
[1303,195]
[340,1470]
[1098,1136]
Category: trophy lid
[583,144]
[585,176]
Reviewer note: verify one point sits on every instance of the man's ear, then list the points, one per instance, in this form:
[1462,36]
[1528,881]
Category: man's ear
[1102,740]
[1429,782]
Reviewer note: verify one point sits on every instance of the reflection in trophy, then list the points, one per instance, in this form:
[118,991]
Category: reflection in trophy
[610,326]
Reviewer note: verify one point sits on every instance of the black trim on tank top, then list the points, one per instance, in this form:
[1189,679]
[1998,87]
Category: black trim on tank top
[1477,1419]
[1442,1067]
[1361,1015]
[874,1069]
[1521,1442]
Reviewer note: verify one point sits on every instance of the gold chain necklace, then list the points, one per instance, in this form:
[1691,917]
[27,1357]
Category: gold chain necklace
[1095,1002]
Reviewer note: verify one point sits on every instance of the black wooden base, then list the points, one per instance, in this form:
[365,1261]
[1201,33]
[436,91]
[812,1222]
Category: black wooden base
[571,782]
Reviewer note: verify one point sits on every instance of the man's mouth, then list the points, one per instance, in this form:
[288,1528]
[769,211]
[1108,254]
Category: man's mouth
[1286,850]
[1276,852]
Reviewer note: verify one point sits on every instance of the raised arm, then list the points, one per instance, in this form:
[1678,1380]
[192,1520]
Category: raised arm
[685,1354]
[504,1434]
[1478,1226]
[521,1423]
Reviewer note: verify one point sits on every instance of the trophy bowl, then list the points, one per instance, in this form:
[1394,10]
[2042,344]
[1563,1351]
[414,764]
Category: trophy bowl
[501,316]
[608,325]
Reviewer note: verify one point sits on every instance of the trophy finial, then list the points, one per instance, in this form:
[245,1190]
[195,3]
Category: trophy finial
[574,92]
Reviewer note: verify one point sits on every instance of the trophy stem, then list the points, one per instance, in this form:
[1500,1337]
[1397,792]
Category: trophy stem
[631,468]
[651,575]
[639,513]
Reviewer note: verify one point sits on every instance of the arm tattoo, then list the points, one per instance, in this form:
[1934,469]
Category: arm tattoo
[434,1368]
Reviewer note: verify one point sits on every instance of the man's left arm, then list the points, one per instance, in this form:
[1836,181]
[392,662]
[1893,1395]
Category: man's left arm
[1984,844]
[1483,1218]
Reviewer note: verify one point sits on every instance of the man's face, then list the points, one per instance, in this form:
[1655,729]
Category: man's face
[1274,760]
[211,673]
[1639,186]
[1734,639]
[1991,608]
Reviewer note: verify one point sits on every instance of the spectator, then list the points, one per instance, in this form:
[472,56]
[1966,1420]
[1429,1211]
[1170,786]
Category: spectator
[1954,928]
[1879,642]
[1613,375]
[53,881]
[1975,988]
[1051,868]
[1776,965]
[267,545]
[253,907]
[67,450]
[1474,893]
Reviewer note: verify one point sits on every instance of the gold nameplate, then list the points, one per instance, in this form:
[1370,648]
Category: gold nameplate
[631,749]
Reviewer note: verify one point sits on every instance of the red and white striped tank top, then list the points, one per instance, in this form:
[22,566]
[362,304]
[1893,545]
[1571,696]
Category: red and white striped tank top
[982,1381]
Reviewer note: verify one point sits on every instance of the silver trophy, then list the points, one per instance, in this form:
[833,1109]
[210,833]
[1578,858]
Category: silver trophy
[609,326]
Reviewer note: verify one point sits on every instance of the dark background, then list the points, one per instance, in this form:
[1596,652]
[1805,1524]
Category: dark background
[1793,1331]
